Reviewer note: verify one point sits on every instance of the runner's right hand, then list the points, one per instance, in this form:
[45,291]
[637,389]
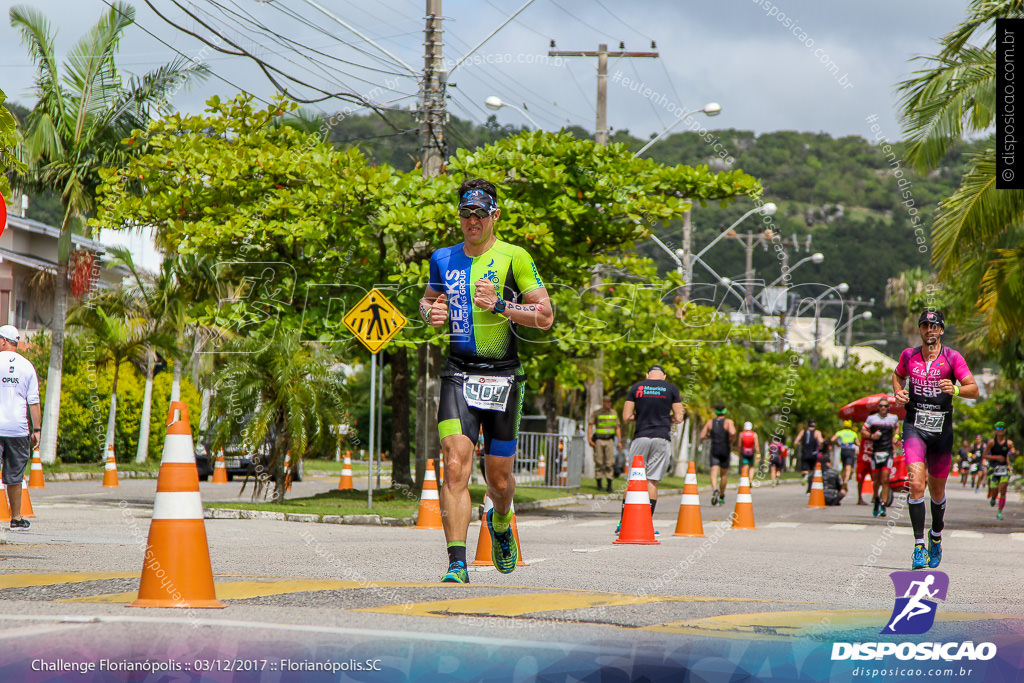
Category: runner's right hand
[902,397]
[439,311]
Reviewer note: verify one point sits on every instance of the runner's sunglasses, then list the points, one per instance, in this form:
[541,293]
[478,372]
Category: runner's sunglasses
[478,212]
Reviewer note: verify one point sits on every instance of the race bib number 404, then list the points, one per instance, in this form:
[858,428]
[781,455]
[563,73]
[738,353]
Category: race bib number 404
[487,392]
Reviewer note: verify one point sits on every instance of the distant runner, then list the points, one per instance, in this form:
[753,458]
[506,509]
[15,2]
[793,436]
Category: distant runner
[998,451]
[924,383]
[847,440]
[749,447]
[965,462]
[977,462]
[881,429]
[722,433]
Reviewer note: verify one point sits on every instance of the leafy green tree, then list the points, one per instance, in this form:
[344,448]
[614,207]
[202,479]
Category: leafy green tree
[84,110]
[279,399]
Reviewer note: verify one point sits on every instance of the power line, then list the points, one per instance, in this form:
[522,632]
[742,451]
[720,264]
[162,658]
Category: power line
[590,26]
[192,59]
[634,30]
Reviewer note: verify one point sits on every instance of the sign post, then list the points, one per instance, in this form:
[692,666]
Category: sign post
[374,321]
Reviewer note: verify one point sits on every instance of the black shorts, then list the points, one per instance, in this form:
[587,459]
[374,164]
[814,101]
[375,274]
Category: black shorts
[15,452]
[848,456]
[501,428]
[721,459]
[807,462]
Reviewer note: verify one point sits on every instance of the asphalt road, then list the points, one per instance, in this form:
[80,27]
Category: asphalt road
[328,593]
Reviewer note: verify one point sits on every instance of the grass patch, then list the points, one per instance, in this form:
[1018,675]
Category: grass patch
[151,465]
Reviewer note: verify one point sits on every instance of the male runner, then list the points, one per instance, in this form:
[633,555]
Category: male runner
[881,429]
[998,451]
[776,458]
[928,373]
[965,462]
[977,462]
[654,404]
[482,288]
[847,440]
[749,447]
[722,432]
[809,439]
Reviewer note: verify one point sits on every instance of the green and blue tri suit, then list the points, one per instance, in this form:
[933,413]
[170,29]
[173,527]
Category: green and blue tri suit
[847,446]
[482,383]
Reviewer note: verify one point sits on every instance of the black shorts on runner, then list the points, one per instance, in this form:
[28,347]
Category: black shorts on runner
[15,452]
[721,459]
[501,428]
[848,456]
[808,462]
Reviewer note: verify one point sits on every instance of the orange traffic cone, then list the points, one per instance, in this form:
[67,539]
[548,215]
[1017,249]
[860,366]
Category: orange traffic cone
[868,487]
[483,545]
[689,522]
[35,476]
[637,522]
[542,469]
[176,571]
[26,502]
[345,483]
[288,471]
[817,490]
[743,516]
[5,507]
[429,516]
[440,468]
[220,469]
[110,470]
[956,469]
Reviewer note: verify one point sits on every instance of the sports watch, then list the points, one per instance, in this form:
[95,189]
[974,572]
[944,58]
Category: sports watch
[499,306]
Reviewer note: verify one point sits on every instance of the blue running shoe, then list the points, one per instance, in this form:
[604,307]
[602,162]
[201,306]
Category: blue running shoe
[456,573]
[881,511]
[504,549]
[920,557]
[618,528]
[934,551]
[877,504]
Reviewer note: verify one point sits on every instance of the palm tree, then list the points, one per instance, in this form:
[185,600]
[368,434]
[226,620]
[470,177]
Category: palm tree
[166,299]
[84,111]
[979,229]
[122,332]
[278,398]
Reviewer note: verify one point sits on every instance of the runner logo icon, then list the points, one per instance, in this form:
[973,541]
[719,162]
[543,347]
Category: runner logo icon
[916,592]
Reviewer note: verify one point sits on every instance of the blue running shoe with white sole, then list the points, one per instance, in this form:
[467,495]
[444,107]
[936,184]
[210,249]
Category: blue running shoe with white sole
[920,558]
[456,573]
[504,549]
[934,551]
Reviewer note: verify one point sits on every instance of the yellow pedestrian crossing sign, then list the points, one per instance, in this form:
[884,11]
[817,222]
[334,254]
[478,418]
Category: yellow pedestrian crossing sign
[374,320]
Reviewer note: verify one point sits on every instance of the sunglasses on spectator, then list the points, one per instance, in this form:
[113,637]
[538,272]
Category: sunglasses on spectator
[478,212]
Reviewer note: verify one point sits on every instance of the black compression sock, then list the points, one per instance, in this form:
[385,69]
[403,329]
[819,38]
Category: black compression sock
[938,516]
[917,517]
[457,552]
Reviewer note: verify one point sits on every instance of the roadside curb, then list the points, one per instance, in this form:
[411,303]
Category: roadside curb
[86,476]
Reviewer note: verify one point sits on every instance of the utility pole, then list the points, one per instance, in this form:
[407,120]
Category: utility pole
[749,240]
[602,54]
[595,389]
[432,120]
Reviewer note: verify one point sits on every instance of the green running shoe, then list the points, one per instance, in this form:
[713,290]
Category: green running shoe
[999,515]
[504,549]
[934,552]
[456,573]
[920,557]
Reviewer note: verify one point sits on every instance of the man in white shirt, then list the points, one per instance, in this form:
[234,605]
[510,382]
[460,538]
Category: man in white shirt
[19,397]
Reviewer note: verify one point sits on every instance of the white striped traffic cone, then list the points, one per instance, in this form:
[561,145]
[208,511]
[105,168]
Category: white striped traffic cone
[110,470]
[177,571]
[429,516]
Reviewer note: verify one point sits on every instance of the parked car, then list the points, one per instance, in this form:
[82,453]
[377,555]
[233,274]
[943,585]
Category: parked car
[238,462]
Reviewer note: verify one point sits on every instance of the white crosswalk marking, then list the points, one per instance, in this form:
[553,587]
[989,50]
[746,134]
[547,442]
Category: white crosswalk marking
[849,527]
[782,525]
[962,533]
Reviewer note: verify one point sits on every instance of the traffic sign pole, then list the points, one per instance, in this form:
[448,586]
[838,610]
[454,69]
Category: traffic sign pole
[373,416]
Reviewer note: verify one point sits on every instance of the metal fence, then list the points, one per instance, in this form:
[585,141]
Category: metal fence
[553,460]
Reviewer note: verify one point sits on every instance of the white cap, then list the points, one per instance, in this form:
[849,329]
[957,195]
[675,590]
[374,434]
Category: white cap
[747,426]
[10,333]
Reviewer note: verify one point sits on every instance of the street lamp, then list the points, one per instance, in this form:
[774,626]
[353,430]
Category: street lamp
[816,257]
[709,109]
[842,288]
[866,315]
[496,103]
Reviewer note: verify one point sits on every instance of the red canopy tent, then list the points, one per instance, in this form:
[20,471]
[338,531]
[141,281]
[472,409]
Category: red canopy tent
[859,410]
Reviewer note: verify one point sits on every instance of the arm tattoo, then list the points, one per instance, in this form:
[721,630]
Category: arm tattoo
[425,312]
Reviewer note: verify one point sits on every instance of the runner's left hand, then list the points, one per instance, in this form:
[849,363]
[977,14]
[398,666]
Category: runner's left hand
[946,386]
[484,295]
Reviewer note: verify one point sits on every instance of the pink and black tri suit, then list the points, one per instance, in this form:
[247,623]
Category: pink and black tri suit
[928,426]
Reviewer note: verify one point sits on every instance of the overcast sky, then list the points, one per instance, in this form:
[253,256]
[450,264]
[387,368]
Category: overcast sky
[767,64]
